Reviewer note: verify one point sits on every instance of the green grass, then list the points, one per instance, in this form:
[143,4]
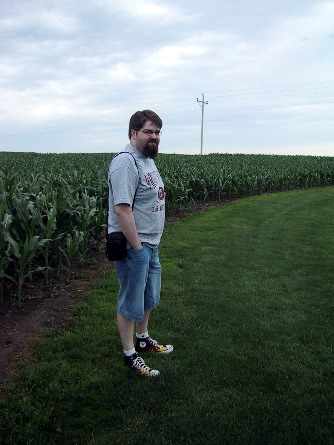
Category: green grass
[247,302]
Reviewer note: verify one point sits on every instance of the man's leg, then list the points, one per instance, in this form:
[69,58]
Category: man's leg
[142,326]
[125,328]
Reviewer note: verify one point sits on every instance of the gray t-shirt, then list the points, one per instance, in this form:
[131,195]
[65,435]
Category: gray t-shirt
[141,185]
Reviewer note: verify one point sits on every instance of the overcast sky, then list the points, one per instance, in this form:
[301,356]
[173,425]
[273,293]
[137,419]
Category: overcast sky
[72,72]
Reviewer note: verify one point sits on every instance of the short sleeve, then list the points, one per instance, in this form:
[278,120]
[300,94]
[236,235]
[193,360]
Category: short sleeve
[123,179]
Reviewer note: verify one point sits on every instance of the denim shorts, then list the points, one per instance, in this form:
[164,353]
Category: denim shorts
[139,277]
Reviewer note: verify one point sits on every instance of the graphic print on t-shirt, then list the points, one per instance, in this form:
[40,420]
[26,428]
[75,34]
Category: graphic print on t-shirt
[153,179]
[161,193]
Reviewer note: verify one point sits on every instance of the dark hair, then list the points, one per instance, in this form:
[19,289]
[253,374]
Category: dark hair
[139,119]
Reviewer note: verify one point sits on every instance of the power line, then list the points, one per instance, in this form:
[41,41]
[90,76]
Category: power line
[276,86]
[116,117]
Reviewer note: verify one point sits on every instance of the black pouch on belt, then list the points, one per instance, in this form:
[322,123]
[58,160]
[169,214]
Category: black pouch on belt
[116,246]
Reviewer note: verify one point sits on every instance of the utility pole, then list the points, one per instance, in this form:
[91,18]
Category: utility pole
[202,103]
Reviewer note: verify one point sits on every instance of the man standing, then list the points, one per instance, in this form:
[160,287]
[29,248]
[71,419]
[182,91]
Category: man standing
[137,208]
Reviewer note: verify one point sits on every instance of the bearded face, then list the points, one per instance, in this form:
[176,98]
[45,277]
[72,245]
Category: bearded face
[146,140]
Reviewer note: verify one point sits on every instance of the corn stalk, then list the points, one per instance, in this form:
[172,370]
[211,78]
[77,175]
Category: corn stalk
[72,245]
[4,248]
[23,254]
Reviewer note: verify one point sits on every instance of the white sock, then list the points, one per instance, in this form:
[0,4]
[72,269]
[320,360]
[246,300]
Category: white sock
[129,352]
[144,335]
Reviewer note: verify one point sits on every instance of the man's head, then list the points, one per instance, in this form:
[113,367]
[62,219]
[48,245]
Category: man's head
[144,132]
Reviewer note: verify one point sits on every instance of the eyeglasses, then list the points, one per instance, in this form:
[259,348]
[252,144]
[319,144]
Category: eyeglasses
[150,132]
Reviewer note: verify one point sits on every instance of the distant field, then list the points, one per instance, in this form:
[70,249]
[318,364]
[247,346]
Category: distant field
[51,205]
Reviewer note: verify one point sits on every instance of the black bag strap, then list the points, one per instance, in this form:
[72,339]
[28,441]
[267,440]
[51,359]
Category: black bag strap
[107,206]
[126,152]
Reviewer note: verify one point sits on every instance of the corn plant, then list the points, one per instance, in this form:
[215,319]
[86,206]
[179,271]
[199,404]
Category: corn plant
[5,258]
[72,245]
[47,222]
[23,254]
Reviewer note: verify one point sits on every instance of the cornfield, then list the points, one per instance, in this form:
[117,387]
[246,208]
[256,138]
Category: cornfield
[52,205]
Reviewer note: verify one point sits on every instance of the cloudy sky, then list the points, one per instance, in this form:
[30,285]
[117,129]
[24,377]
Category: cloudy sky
[73,71]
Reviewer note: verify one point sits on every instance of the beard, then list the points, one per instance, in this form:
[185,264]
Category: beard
[151,149]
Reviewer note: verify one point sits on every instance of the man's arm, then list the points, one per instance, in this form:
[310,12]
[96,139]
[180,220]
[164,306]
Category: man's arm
[127,222]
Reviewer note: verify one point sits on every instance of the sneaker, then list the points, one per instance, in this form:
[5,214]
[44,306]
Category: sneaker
[147,344]
[137,364]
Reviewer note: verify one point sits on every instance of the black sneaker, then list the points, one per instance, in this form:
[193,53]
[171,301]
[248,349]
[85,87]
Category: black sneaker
[137,364]
[147,344]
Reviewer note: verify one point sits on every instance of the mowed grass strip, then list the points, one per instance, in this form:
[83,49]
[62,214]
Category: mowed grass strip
[247,302]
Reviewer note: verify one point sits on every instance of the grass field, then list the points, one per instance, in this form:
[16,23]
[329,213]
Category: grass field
[247,302]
